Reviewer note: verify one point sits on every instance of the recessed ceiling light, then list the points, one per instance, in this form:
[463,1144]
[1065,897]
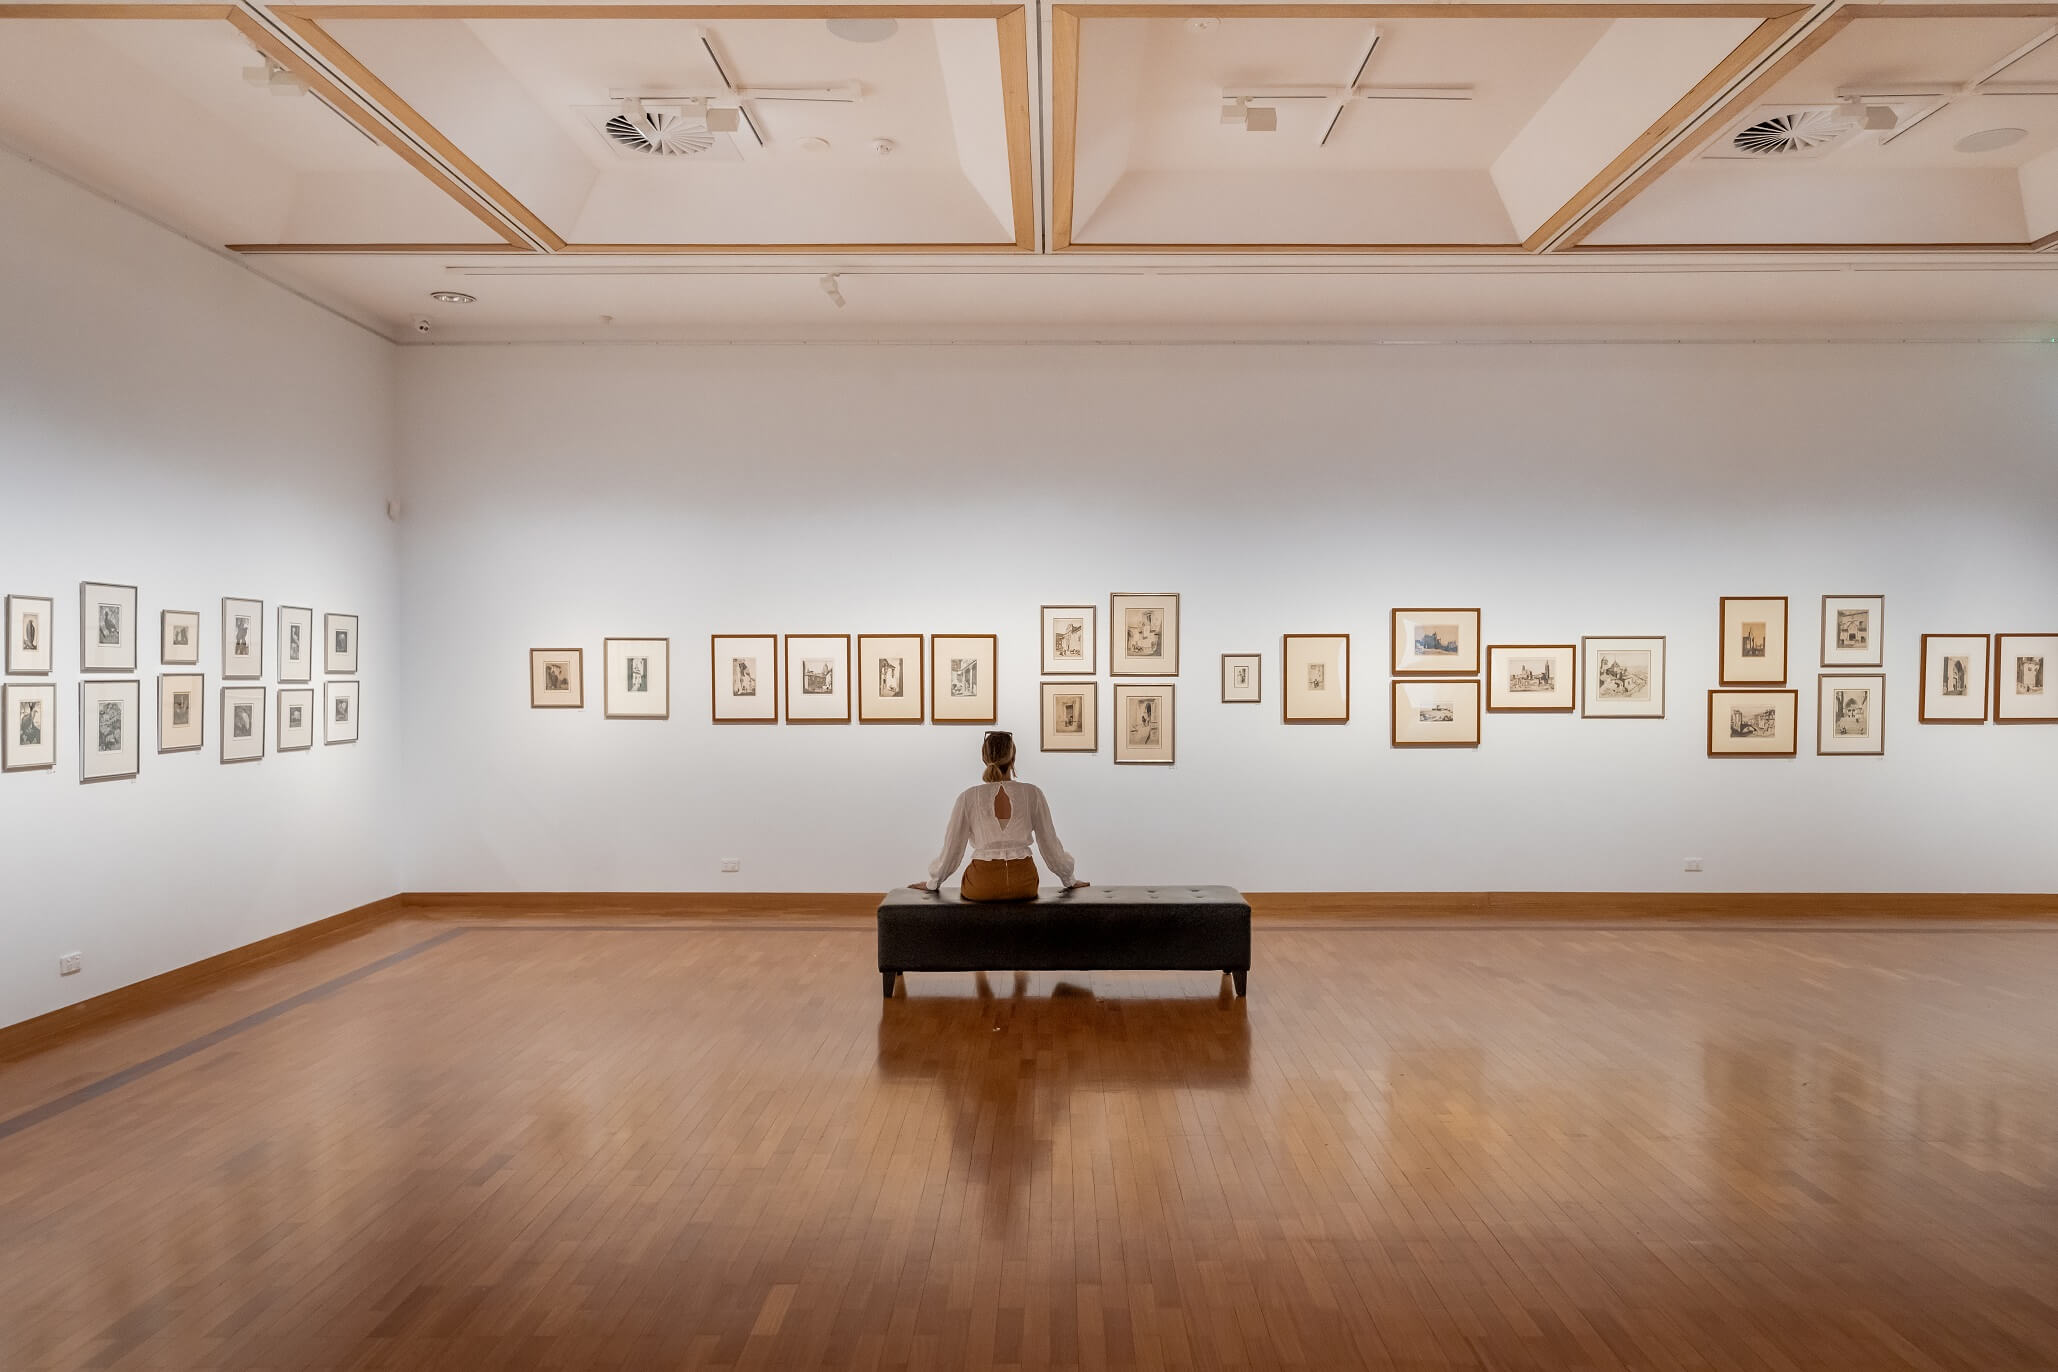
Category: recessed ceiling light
[1987,140]
[454,297]
[812,144]
[864,30]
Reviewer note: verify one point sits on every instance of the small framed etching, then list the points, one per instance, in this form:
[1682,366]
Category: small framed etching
[296,721]
[1436,714]
[178,638]
[1754,723]
[242,723]
[110,728]
[2022,691]
[1143,634]
[889,678]
[242,643]
[1753,640]
[1144,722]
[818,678]
[1435,642]
[1071,716]
[107,630]
[1850,716]
[1853,630]
[1242,678]
[1070,639]
[746,678]
[638,681]
[339,645]
[1625,677]
[557,679]
[1316,677]
[1531,680]
[296,643]
[961,670]
[1954,679]
[340,701]
[28,635]
[181,716]
[30,741]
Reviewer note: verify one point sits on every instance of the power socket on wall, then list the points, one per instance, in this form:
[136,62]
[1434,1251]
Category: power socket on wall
[732,864]
[71,964]
[1693,864]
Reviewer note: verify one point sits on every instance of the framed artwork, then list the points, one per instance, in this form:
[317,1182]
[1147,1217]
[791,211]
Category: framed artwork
[818,678]
[1071,716]
[178,638]
[296,720]
[110,729]
[1854,631]
[1315,673]
[339,645]
[638,682]
[29,743]
[243,723]
[107,629]
[242,639]
[181,712]
[28,635]
[1143,634]
[1530,679]
[1954,679]
[339,712]
[1753,640]
[1144,722]
[889,678]
[1436,714]
[1435,642]
[746,678]
[1850,715]
[961,678]
[1754,723]
[557,678]
[2022,691]
[1070,639]
[1242,678]
[296,643]
[1625,677]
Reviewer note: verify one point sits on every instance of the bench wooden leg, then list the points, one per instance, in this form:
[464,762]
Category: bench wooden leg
[888,977]
[1239,975]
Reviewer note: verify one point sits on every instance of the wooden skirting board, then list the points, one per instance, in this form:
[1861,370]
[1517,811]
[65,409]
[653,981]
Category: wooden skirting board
[1456,907]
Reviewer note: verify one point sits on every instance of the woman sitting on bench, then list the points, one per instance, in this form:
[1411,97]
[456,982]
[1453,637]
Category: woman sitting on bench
[998,818]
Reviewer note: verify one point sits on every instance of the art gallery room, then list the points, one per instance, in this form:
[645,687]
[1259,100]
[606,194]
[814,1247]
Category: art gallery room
[1060,685]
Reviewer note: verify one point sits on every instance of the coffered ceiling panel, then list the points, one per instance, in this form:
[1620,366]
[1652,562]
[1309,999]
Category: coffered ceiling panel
[199,117]
[705,129]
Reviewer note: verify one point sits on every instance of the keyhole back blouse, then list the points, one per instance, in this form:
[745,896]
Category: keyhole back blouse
[973,823]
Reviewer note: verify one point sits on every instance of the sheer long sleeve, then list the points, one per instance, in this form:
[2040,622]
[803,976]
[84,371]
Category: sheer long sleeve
[957,836]
[1054,855]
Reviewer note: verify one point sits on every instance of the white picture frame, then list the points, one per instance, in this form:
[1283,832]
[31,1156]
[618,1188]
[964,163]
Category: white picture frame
[1315,678]
[339,644]
[1439,713]
[110,729]
[962,689]
[1850,714]
[1622,676]
[242,641]
[636,678]
[1853,631]
[1143,633]
[28,726]
[107,627]
[178,638]
[2023,693]
[1243,678]
[295,648]
[340,711]
[1955,686]
[28,634]
[1754,721]
[181,712]
[1436,641]
[744,678]
[1527,678]
[817,678]
[296,720]
[1146,723]
[1754,640]
[1070,716]
[890,679]
[242,724]
[1069,636]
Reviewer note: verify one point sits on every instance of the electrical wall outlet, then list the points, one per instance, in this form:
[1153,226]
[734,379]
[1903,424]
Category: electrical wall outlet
[1693,864]
[71,964]
[732,864]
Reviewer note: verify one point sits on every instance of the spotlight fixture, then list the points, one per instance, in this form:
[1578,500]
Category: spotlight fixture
[832,288]
[275,78]
[453,297]
[632,110]
[1240,112]
[1876,118]
[724,118]
[864,30]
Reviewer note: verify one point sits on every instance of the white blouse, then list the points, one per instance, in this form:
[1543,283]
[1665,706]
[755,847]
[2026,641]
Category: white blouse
[972,821]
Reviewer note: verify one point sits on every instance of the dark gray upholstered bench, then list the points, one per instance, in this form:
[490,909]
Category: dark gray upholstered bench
[1099,928]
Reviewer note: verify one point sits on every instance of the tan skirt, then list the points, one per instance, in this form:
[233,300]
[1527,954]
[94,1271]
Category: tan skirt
[1009,879]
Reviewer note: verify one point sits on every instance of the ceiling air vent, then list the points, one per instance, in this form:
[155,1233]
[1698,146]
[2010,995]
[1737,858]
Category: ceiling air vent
[660,133]
[1784,132]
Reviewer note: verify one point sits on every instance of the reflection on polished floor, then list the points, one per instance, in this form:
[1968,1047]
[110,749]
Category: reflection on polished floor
[677,1144]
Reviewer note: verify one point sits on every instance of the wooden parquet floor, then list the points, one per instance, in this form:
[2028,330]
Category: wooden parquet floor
[662,1144]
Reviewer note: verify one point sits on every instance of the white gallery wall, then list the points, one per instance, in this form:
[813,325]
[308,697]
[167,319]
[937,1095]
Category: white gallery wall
[557,495]
[172,422]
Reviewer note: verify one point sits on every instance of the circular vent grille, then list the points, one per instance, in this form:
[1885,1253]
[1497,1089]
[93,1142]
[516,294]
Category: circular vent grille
[660,133]
[1784,134]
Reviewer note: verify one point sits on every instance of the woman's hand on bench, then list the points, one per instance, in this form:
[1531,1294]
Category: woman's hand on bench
[1079,886]
[918,886]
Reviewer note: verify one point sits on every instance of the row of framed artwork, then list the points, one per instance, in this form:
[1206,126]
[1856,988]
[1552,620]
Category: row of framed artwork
[819,686]
[109,628]
[111,718]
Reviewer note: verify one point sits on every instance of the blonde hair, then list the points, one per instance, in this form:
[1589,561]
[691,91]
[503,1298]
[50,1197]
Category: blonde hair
[998,753]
